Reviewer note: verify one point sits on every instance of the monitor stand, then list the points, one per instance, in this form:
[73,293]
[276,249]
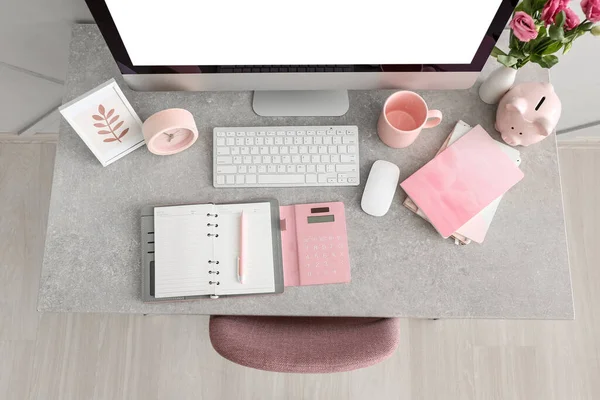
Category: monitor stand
[301,103]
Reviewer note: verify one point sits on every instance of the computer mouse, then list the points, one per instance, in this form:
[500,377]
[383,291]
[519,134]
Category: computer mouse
[380,188]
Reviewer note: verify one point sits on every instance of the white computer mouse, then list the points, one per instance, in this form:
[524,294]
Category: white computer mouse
[380,188]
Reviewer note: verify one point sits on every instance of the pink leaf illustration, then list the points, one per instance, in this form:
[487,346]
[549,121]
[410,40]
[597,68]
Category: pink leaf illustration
[111,139]
[111,112]
[123,133]
[97,117]
[101,109]
[99,125]
[113,119]
[117,126]
[104,132]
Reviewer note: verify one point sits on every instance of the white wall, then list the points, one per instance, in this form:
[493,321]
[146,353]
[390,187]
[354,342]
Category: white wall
[34,47]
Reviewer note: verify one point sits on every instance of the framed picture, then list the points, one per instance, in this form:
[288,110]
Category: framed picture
[105,121]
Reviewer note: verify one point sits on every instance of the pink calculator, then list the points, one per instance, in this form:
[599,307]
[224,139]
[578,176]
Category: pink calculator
[315,244]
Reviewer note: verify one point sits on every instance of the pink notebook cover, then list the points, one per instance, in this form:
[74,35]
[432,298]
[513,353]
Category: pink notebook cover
[315,252]
[461,181]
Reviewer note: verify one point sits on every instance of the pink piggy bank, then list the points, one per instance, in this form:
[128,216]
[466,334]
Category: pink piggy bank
[528,113]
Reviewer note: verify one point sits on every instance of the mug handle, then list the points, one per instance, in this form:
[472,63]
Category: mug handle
[434,117]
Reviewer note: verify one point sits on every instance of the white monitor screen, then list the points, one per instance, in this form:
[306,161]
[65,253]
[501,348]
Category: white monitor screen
[280,32]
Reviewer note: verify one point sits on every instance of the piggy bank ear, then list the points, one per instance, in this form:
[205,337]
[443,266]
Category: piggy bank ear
[544,125]
[517,104]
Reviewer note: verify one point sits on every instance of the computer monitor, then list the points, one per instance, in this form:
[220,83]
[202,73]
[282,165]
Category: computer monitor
[300,57]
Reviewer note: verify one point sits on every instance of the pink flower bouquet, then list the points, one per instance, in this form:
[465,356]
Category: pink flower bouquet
[540,28]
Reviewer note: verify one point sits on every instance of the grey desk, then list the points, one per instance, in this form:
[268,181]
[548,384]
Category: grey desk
[400,265]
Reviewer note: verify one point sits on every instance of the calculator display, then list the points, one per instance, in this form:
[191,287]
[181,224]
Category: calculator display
[320,219]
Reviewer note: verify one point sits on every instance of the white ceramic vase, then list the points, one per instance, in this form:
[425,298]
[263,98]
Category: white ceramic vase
[497,84]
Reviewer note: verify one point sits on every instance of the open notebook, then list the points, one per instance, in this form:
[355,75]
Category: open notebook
[196,250]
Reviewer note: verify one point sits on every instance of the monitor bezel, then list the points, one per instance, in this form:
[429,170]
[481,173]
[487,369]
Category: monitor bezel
[109,31]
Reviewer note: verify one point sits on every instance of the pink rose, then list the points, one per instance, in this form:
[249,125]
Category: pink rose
[571,19]
[523,26]
[552,8]
[591,8]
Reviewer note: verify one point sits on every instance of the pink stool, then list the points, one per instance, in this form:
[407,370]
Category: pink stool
[304,344]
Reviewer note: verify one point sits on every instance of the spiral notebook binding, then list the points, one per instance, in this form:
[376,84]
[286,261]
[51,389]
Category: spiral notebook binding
[213,271]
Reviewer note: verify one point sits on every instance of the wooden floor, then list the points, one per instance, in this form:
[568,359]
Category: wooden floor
[97,356]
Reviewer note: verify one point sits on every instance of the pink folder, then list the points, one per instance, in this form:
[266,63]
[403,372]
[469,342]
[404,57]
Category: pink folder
[314,244]
[461,181]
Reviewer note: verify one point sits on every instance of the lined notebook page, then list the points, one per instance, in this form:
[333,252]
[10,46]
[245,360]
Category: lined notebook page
[259,272]
[182,250]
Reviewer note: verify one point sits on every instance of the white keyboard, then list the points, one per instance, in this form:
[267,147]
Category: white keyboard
[284,156]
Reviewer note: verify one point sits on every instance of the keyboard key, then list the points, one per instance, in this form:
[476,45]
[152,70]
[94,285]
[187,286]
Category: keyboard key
[348,158]
[256,160]
[352,180]
[345,168]
[311,168]
[326,159]
[306,140]
[250,133]
[280,133]
[318,140]
[260,141]
[226,169]
[249,141]
[230,134]
[223,151]
[230,141]
[220,141]
[245,150]
[247,160]
[224,160]
[291,169]
[340,131]
[221,179]
[301,168]
[286,159]
[262,133]
[239,141]
[301,133]
[278,141]
[269,141]
[276,159]
[242,169]
[252,169]
[230,179]
[331,180]
[240,134]
[323,178]
[320,168]
[289,140]
[262,169]
[291,133]
[235,151]
[311,178]
[311,133]
[322,149]
[342,149]
[332,149]
[250,179]
[281,168]
[315,159]
[337,140]
[239,179]
[280,179]
[270,133]
[264,150]
[296,159]
[274,150]
[254,150]
[284,150]
[313,149]
[351,149]
[327,140]
[266,160]
[320,133]
[294,150]
[221,134]
[330,132]
[330,168]
[349,140]
[237,159]
[335,158]
[271,168]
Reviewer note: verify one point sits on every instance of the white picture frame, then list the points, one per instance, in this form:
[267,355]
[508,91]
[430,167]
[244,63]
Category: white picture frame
[105,121]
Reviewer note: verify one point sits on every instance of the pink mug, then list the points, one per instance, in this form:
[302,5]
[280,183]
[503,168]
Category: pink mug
[404,115]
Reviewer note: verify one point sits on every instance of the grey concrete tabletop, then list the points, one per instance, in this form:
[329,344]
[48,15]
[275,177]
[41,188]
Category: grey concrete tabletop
[400,266]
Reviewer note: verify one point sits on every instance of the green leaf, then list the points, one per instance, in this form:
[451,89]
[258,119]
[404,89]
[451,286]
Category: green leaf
[497,52]
[536,58]
[556,33]
[507,61]
[537,5]
[517,54]
[586,26]
[550,60]
[527,6]
[567,47]
[553,48]
[559,20]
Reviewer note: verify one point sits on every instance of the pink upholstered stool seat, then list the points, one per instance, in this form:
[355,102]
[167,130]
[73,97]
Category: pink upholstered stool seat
[304,344]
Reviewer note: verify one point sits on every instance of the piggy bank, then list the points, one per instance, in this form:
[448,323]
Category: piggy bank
[528,113]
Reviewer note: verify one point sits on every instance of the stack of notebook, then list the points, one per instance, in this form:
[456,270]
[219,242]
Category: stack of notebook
[459,191]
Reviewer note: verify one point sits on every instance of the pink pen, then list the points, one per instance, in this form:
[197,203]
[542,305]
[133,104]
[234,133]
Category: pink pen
[242,255]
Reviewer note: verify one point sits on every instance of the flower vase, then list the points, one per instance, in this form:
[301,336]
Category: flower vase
[497,84]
